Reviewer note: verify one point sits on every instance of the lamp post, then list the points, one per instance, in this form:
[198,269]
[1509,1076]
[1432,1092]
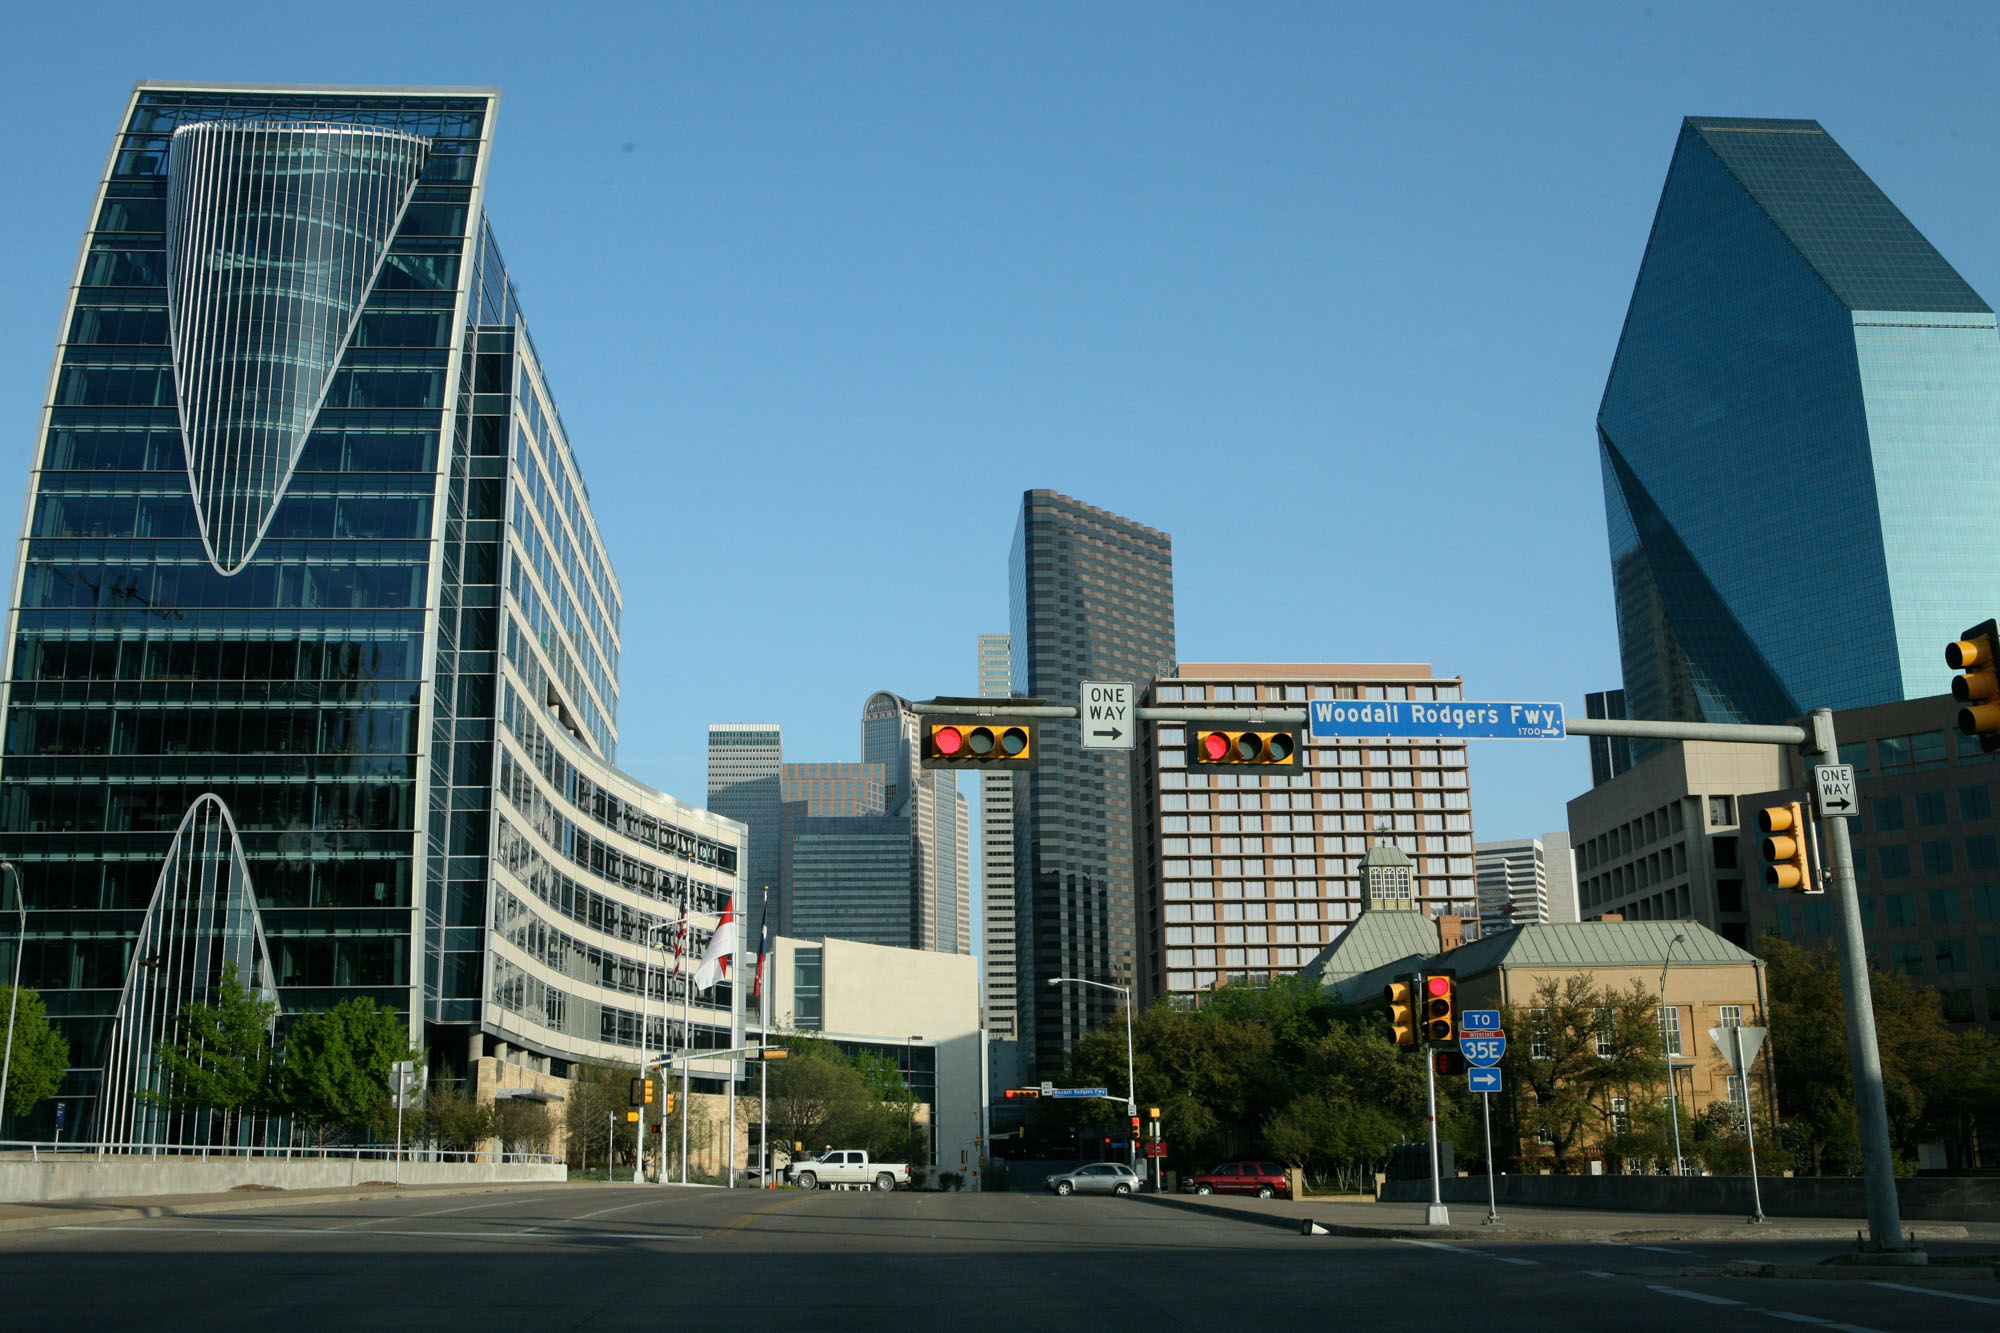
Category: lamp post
[910,1088]
[13,992]
[1667,1049]
[1131,1088]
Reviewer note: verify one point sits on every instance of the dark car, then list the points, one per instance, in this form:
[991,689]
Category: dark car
[1263,1179]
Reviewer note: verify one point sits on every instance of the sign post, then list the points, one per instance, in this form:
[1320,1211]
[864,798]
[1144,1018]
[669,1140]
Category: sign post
[402,1081]
[1482,1043]
[1739,1045]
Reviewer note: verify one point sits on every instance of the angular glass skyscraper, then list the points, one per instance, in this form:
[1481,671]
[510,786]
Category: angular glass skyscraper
[1091,598]
[313,655]
[1800,439]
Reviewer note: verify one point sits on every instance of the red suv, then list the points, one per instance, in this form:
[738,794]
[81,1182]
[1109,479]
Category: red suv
[1263,1179]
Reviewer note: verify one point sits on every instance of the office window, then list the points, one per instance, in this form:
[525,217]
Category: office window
[1949,956]
[1538,1034]
[1722,811]
[1956,1004]
[1899,909]
[1732,1016]
[1621,1123]
[1893,752]
[1855,753]
[1989,953]
[1735,1084]
[1888,813]
[1910,957]
[1937,857]
[1606,1028]
[1986,905]
[1932,809]
[1670,1026]
[1895,861]
[1931,748]
[1975,802]
[1945,907]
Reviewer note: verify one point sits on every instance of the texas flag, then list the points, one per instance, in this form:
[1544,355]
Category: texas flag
[722,946]
[763,951]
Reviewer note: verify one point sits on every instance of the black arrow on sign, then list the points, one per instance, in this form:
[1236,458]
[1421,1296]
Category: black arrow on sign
[1114,733]
[1842,804]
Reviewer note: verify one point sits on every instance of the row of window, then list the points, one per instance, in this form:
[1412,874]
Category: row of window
[1636,834]
[1932,808]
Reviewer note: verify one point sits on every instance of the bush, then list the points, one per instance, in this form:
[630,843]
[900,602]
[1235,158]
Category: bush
[950,1181]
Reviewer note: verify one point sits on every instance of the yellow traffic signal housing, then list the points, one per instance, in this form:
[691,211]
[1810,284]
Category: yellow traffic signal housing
[974,743]
[642,1092]
[670,1103]
[1784,848]
[631,1117]
[1440,1008]
[1215,749]
[1402,1014]
[1978,688]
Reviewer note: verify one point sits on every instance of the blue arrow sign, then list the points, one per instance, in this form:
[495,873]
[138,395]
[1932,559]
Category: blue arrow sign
[1418,717]
[1482,1080]
[1078,1092]
[1483,1048]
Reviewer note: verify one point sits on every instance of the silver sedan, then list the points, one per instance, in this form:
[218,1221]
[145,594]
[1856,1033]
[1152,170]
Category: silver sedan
[1096,1178]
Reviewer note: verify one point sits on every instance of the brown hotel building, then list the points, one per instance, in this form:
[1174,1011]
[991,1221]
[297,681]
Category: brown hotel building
[1248,876]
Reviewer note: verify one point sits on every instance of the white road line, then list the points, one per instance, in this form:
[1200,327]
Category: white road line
[1661,1249]
[1437,1245]
[1694,1295]
[354,1235]
[438,1212]
[1817,1322]
[1525,1263]
[1592,1272]
[1460,1249]
[1933,1291]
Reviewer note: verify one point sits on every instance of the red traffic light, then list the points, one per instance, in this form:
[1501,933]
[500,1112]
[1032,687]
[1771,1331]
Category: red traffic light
[949,741]
[1437,985]
[1215,746]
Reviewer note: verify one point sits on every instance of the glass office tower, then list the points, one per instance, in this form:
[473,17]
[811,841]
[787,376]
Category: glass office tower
[1091,598]
[1800,439]
[313,655]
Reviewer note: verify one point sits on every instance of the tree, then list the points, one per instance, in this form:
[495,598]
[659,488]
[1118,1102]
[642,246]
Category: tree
[40,1053]
[594,1115]
[334,1071]
[1586,1044]
[222,1062]
[451,1120]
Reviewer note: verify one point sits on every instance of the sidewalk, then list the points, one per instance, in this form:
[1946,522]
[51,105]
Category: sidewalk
[70,1212]
[1405,1221]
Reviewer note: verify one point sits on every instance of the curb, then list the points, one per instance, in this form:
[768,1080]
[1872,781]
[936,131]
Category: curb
[69,1212]
[1904,1273]
[1394,1231]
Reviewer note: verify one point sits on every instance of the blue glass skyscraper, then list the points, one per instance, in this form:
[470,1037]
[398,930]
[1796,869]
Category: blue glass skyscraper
[313,658]
[1800,439]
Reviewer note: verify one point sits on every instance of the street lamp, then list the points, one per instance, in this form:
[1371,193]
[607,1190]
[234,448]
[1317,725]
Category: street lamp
[14,992]
[1667,1049]
[1131,1088]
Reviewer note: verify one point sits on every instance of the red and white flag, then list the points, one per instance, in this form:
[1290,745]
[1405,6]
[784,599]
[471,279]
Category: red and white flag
[763,949]
[723,945]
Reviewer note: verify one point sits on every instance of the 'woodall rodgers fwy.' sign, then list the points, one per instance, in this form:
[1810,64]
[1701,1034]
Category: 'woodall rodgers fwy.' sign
[1417,717]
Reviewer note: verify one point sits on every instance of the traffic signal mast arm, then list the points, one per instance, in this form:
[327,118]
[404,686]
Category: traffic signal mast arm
[1273,717]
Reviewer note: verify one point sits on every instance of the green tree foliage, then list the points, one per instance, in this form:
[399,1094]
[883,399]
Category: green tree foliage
[820,1098]
[594,1114]
[40,1054]
[1938,1083]
[222,1060]
[451,1119]
[1578,1045]
[333,1075]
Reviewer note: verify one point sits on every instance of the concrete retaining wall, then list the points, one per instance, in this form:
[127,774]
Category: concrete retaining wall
[79,1177]
[1922,1198]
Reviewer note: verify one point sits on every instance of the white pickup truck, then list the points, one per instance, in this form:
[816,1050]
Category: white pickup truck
[848,1167]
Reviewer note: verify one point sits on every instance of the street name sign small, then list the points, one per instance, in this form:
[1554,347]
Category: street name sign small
[1482,1080]
[1483,1049]
[1048,1089]
[1833,791]
[1479,1020]
[1106,715]
[1077,1092]
[1421,717]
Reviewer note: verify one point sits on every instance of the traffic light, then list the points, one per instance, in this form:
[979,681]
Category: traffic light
[1440,1008]
[1012,1093]
[771,1053]
[1230,750]
[670,1103]
[1402,1014]
[631,1117]
[642,1092]
[1784,848]
[972,744]
[1448,1063]
[1978,688]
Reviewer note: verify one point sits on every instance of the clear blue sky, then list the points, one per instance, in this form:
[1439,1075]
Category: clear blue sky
[1328,292]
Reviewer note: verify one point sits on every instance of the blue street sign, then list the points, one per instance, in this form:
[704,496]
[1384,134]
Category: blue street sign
[1483,1048]
[1078,1092]
[1482,1080]
[1481,1020]
[62,1113]
[1419,717]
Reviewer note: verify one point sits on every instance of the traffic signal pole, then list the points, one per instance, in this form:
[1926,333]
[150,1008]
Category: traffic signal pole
[1820,746]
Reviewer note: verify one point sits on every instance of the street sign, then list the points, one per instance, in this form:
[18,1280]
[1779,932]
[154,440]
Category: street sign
[1482,1080]
[1833,792]
[1077,1092]
[1481,1020]
[1156,1147]
[1106,715]
[1048,1089]
[1483,1049]
[62,1114]
[1419,717]
[1738,1056]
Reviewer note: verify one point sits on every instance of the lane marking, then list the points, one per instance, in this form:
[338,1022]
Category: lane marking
[1694,1295]
[404,1217]
[759,1211]
[1661,1249]
[530,1234]
[1817,1322]
[1932,1291]
[1525,1263]
[1436,1245]
[1592,1272]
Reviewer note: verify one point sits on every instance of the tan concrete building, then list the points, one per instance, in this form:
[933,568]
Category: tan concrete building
[1659,841]
[1251,875]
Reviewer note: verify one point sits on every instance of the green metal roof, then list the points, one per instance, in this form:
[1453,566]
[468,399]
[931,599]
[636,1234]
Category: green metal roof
[1377,939]
[1596,944]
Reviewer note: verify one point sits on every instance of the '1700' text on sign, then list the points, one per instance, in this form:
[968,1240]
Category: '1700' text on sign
[1415,717]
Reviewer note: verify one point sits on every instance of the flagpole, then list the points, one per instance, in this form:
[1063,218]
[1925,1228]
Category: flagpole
[735,1042]
[764,1039]
[645,1004]
[687,1017]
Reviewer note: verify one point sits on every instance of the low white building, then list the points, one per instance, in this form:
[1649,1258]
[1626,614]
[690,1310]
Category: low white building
[917,1007]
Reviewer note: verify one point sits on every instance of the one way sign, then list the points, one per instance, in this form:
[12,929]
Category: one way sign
[1833,791]
[1106,715]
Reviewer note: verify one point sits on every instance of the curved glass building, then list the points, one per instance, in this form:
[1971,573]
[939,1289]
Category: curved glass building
[311,610]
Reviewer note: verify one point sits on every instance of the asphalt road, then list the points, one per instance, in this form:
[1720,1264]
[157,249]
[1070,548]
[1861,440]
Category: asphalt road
[605,1257]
